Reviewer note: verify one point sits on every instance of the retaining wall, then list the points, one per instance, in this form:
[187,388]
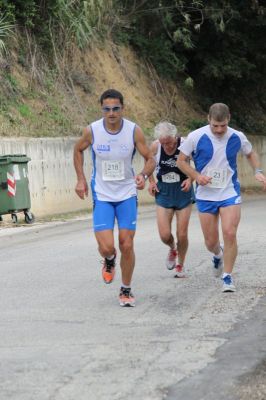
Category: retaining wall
[52,176]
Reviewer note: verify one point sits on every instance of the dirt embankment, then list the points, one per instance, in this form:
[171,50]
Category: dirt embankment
[38,102]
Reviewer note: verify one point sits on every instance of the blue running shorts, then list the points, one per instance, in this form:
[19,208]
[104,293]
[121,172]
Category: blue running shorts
[212,207]
[171,196]
[105,213]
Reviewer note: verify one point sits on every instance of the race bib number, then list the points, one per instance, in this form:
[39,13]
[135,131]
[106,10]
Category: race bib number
[219,177]
[171,177]
[113,170]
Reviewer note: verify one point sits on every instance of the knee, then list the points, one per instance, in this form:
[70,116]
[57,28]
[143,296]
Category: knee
[126,246]
[229,235]
[106,249]
[211,243]
[166,237]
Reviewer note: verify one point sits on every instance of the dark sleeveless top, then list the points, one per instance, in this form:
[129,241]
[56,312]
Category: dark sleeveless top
[167,163]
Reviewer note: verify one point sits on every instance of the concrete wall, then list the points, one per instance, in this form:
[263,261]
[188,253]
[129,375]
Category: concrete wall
[245,172]
[52,177]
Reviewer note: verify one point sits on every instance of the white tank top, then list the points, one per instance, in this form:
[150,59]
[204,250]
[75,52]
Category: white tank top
[112,154]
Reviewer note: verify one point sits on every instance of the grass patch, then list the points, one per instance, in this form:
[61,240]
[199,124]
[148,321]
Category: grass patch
[25,111]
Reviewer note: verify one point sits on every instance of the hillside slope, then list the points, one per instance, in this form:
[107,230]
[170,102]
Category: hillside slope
[39,101]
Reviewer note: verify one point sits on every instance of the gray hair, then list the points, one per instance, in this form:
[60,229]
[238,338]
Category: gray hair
[164,128]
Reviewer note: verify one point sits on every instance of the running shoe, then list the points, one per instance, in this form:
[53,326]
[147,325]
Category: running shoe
[108,270]
[126,298]
[228,285]
[217,264]
[171,259]
[180,273]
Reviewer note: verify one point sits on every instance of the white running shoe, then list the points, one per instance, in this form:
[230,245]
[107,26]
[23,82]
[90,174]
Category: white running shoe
[179,271]
[171,259]
[126,298]
[228,285]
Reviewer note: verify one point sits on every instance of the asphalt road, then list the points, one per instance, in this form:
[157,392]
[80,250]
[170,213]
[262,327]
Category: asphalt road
[64,336]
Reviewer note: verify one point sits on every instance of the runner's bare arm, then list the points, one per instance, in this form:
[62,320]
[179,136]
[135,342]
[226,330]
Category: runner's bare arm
[254,161]
[82,144]
[183,164]
[146,153]
[152,189]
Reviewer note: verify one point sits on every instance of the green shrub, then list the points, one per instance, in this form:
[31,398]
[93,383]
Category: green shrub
[194,124]
[6,30]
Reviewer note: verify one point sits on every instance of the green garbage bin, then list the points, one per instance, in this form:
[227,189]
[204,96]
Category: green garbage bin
[14,187]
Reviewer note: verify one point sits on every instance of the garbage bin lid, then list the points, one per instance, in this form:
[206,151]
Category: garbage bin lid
[14,158]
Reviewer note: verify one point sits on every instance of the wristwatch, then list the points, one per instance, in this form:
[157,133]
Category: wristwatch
[144,176]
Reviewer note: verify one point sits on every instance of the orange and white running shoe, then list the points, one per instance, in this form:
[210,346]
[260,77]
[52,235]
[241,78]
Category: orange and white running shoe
[180,273]
[126,298]
[171,259]
[108,270]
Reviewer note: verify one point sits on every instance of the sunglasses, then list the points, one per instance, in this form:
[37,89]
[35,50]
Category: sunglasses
[113,109]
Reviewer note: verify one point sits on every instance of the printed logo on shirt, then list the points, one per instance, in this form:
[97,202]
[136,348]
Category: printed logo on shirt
[124,147]
[169,163]
[103,147]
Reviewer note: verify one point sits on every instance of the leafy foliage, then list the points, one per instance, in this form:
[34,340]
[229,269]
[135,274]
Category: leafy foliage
[6,30]
[230,48]
[82,21]
[218,46]
[21,11]
[160,31]
[76,20]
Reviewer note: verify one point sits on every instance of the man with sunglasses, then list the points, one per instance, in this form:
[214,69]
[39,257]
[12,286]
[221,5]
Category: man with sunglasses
[214,149]
[113,141]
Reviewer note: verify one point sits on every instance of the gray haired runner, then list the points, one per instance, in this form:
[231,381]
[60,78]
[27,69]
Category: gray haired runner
[173,193]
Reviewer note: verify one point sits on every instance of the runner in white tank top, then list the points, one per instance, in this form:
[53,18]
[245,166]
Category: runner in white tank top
[113,178]
[113,141]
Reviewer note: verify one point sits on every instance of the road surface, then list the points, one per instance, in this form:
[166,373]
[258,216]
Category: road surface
[64,336]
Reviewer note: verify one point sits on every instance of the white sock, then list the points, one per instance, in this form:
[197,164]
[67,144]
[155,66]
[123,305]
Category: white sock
[125,286]
[226,274]
[110,257]
[219,255]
